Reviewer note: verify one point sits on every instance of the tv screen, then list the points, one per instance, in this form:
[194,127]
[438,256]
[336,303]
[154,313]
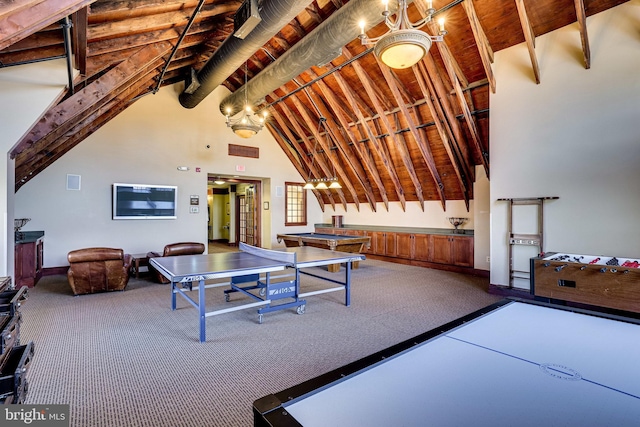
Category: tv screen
[141,201]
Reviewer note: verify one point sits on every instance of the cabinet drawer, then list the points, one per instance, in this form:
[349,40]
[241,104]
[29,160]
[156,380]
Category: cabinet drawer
[10,301]
[9,332]
[13,375]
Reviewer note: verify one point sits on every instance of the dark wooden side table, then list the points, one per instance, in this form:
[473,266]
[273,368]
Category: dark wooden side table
[137,261]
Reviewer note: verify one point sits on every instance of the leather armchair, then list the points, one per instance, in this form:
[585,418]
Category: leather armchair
[174,249]
[93,270]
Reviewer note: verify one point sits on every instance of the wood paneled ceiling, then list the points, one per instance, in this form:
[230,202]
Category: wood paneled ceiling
[388,135]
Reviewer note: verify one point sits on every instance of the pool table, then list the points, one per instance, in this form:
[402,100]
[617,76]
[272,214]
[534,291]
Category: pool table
[514,363]
[334,242]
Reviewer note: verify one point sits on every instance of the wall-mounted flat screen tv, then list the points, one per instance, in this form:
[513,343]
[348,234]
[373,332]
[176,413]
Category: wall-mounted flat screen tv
[141,201]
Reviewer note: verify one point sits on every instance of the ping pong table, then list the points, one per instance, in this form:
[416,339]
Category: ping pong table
[250,273]
[514,363]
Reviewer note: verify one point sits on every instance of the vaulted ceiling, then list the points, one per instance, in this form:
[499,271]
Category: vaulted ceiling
[388,135]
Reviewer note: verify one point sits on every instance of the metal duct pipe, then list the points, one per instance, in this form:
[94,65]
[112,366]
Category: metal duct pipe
[319,47]
[233,52]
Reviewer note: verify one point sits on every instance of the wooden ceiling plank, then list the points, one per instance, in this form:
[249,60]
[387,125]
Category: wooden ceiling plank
[337,107]
[400,144]
[584,36]
[296,163]
[529,37]
[349,94]
[411,119]
[484,49]
[94,93]
[336,168]
[16,26]
[160,21]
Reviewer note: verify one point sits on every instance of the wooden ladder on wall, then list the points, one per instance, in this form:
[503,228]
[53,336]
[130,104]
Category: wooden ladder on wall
[527,239]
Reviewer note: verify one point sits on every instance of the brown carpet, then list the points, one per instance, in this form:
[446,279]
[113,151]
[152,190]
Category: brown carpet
[126,359]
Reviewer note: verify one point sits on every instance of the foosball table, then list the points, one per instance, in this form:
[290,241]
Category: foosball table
[602,281]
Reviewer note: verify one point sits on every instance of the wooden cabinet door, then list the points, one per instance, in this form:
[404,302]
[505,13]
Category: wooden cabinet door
[421,247]
[462,251]
[404,245]
[390,248]
[441,252]
[377,243]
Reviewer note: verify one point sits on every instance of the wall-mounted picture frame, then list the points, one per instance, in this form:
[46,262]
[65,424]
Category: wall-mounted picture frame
[265,206]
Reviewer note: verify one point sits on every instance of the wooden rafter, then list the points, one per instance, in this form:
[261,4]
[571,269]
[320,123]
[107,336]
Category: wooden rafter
[320,140]
[326,170]
[445,54]
[338,112]
[484,49]
[343,145]
[584,36]
[70,113]
[446,134]
[529,37]
[399,143]
[389,167]
[411,119]
[92,121]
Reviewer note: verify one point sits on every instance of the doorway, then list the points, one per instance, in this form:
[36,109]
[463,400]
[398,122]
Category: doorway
[234,214]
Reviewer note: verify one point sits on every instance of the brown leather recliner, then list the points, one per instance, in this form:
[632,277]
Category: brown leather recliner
[93,270]
[174,249]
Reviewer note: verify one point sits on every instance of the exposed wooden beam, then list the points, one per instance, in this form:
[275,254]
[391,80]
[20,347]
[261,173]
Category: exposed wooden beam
[411,119]
[466,112]
[442,124]
[584,36]
[484,49]
[341,143]
[79,21]
[529,37]
[399,143]
[377,146]
[64,115]
[27,166]
[317,158]
[337,107]
[326,147]
[155,22]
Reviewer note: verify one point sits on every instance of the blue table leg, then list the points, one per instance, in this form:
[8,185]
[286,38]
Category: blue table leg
[201,309]
[347,285]
[173,295]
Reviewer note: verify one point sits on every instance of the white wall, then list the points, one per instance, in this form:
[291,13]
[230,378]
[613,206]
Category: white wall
[25,92]
[145,144]
[574,136]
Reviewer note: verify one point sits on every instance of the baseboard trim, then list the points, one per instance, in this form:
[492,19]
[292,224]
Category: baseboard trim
[53,271]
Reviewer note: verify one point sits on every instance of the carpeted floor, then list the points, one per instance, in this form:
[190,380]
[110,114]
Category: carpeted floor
[125,359]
